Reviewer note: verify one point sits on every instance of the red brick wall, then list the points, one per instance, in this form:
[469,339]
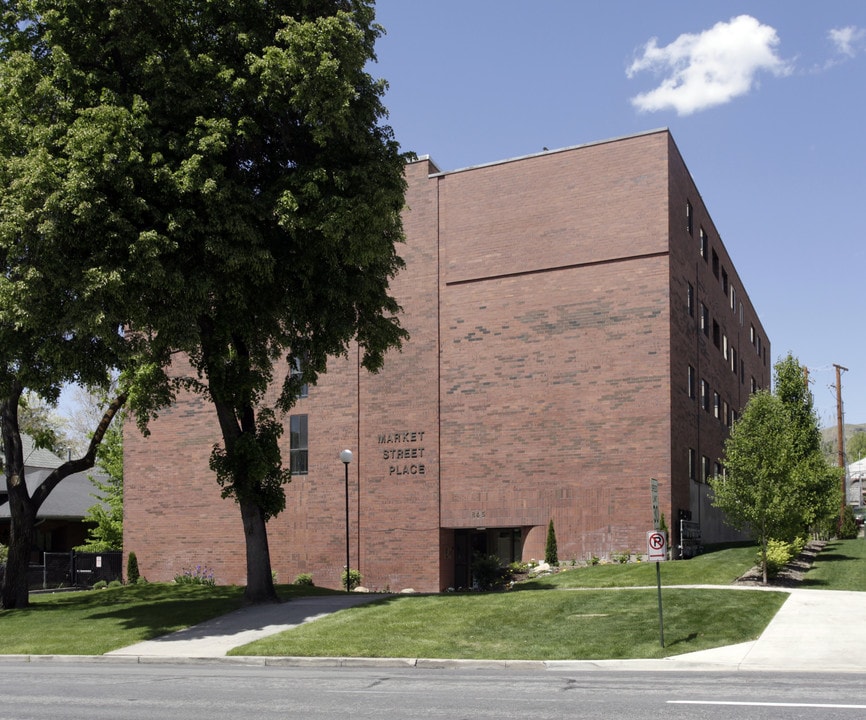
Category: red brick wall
[545,378]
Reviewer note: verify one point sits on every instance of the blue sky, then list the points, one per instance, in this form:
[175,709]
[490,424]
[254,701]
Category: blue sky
[765,100]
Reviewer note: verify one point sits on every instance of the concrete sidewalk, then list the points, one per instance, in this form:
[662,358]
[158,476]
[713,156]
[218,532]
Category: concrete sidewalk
[214,638]
[814,631]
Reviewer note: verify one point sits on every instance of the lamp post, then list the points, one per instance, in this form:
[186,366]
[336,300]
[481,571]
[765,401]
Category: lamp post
[346,458]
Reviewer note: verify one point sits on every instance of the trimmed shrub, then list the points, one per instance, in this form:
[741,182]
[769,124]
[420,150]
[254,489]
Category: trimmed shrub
[551,556]
[848,529]
[355,578]
[132,575]
[778,555]
[487,572]
[307,579]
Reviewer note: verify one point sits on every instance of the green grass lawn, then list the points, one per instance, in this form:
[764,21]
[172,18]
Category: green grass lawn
[720,567]
[92,622]
[605,611]
[536,625]
[841,565]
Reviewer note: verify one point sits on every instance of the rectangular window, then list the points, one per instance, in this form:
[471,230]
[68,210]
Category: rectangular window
[693,464]
[297,372]
[752,334]
[690,227]
[705,395]
[726,415]
[298,444]
[725,281]
[733,360]
[705,245]
[691,382]
[690,300]
[733,298]
[717,469]
[753,386]
[717,335]
[705,320]
[717,406]
[705,468]
[715,265]
[725,349]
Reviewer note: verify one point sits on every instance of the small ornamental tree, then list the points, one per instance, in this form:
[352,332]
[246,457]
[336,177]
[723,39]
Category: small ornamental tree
[132,573]
[551,556]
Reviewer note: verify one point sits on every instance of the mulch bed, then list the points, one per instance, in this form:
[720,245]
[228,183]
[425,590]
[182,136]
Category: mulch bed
[789,576]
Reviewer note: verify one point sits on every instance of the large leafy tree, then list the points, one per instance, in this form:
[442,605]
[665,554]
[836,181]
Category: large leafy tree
[816,482]
[755,490]
[228,163]
[776,483]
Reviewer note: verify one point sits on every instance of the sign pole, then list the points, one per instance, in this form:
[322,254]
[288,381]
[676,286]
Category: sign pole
[661,616]
[657,551]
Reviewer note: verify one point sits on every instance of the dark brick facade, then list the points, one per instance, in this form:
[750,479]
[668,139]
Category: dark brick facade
[555,306]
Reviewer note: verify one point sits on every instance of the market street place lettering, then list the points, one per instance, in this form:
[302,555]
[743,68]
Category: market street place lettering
[414,438]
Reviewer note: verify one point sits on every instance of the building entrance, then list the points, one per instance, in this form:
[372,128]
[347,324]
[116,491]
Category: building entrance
[505,543]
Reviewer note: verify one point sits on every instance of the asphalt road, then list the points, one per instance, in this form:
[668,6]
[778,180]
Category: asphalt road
[51,690]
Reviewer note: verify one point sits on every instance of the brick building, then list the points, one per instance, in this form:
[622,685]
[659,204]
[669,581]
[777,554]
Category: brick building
[577,328]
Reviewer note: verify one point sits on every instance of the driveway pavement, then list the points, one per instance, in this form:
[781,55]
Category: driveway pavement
[814,631]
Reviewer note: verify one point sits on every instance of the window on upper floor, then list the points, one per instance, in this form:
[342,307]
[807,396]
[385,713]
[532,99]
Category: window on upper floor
[715,265]
[705,245]
[705,395]
[692,382]
[690,300]
[725,285]
[705,468]
[693,464]
[717,334]
[298,444]
[297,372]
[705,320]
[717,406]
[690,221]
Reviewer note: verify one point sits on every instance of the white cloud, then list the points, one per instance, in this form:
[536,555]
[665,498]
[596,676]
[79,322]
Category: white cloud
[709,68]
[848,40]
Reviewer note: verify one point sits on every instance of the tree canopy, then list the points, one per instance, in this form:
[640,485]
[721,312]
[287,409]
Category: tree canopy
[215,177]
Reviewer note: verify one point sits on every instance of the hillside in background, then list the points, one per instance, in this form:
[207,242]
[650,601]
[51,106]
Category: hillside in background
[855,442]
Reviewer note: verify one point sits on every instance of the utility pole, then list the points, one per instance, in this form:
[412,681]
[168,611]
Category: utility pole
[840,429]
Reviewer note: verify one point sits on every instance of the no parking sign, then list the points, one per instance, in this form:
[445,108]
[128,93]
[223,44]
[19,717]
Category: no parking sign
[656,546]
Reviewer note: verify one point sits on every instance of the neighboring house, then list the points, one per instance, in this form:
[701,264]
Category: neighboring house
[60,522]
[857,482]
[577,327]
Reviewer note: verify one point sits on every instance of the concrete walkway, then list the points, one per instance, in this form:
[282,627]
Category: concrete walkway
[214,638]
[814,631]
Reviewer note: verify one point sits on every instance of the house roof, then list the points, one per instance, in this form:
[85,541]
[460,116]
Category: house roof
[857,469]
[70,500]
[35,457]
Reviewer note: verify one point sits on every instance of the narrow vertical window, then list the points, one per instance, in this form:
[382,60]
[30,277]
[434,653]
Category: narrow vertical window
[691,382]
[715,265]
[705,395]
[717,406]
[297,372]
[705,468]
[690,227]
[705,320]
[298,444]
[705,245]
[690,300]
[693,464]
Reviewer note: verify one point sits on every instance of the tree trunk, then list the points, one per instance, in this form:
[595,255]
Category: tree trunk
[260,582]
[14,593]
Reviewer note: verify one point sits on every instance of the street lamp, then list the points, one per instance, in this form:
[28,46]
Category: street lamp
[346,458]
